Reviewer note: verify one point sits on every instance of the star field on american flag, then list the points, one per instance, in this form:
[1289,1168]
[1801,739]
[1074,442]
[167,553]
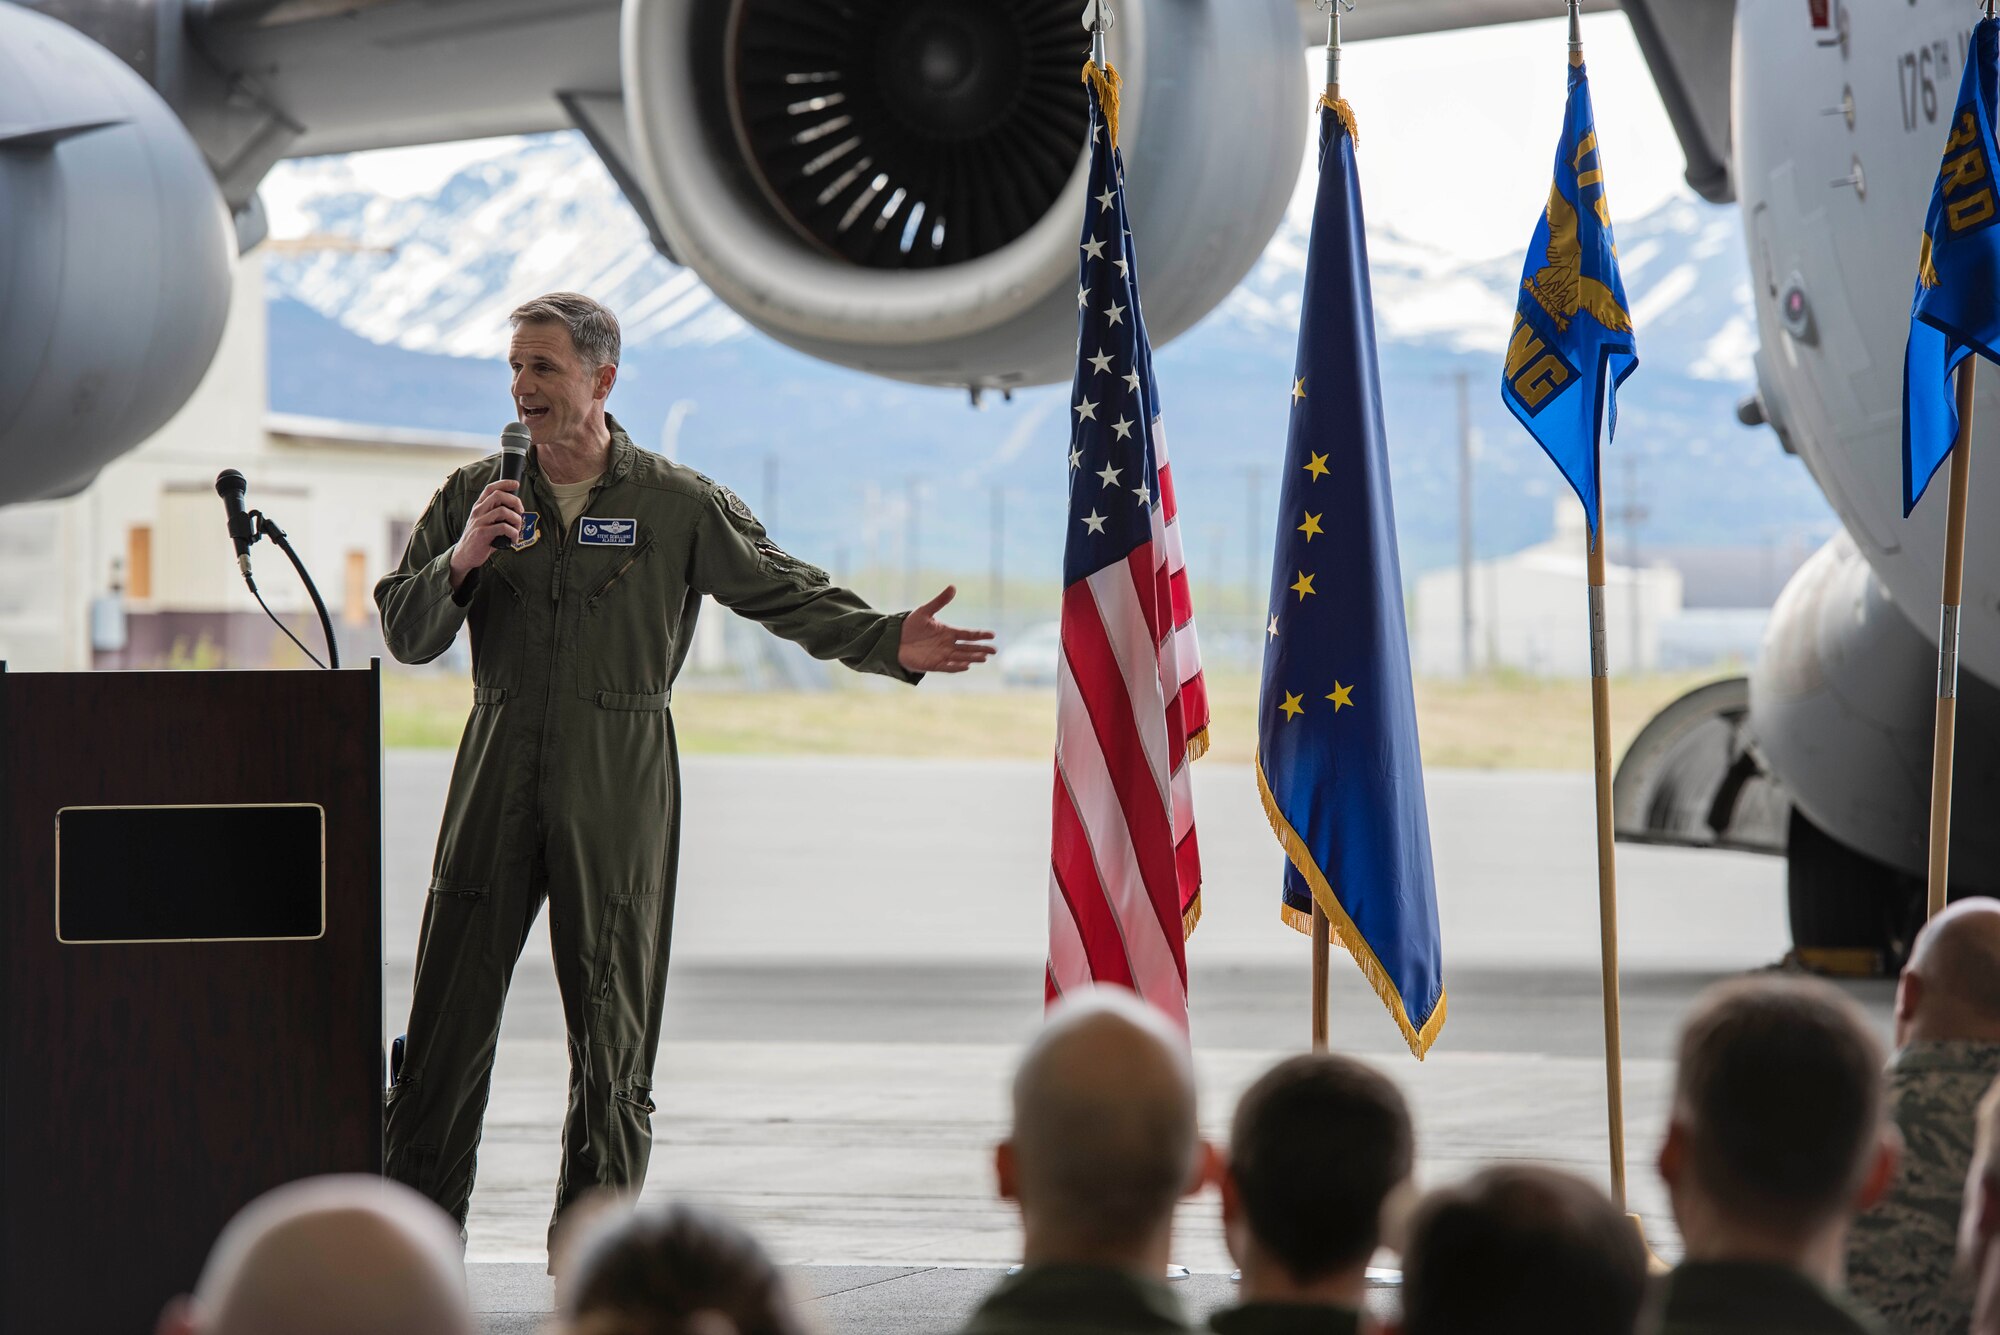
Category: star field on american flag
[1132,705]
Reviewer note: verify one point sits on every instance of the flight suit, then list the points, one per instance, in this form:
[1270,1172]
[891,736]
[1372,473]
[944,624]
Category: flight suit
[566,786]
[1060,1299]
[1285,1319]
[1751,1298]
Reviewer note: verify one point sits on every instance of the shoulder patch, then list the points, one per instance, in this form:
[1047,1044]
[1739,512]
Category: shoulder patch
[735,503]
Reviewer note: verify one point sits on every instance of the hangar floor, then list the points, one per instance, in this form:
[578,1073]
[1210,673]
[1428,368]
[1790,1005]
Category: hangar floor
[858,957]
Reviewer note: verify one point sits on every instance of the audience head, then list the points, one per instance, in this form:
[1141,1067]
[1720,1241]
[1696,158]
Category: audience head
[1317,1147]
[1104,1140]
[330,1256]
[1776,1135]
[673,1270]
[1950,989]
[1518,1250]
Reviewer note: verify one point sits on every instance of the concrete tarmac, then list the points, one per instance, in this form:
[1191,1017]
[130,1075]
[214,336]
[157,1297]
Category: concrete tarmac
[857,960]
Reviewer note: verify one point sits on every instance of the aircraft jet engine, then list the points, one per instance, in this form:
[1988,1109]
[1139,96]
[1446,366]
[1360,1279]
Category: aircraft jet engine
[114,258]
[896,185]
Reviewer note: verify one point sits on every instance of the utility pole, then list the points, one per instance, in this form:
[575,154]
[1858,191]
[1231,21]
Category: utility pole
[912,562]
[1631,515]
[999,555]
[771,492]
[1464,379]
[1253,496]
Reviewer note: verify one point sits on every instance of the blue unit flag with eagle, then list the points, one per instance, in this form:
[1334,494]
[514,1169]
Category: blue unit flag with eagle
[1957,307]
[1337,759]
[1572,344]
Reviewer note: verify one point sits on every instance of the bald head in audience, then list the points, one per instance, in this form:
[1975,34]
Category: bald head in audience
[330,1256]
[1950,989]
[1104,1141]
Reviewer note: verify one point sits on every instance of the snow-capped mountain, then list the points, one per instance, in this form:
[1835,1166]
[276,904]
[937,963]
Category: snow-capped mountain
[416,309]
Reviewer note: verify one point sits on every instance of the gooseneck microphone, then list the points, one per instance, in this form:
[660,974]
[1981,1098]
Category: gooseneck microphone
[231,487]
[245,528]
[514,442]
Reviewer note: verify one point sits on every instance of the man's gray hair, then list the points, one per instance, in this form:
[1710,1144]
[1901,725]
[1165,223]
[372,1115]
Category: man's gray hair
[593,329]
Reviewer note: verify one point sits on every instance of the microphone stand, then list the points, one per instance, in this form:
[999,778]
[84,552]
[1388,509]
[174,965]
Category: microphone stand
[267,529]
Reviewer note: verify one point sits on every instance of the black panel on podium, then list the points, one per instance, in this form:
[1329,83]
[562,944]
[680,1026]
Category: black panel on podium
[190,970]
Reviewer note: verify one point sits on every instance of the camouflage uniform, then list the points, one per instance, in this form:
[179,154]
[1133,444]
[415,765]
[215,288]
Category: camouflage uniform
[1899,1255]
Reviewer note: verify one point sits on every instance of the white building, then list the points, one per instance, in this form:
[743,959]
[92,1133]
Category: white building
[1530,611]
[143,552]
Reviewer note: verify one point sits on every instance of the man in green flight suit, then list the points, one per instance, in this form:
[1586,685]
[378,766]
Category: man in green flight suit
[566,786]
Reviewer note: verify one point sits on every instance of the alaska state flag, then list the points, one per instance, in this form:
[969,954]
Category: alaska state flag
[1957,307]
[1337,760]
[1572,343]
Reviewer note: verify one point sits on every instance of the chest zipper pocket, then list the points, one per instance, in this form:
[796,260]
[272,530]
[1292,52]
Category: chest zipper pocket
[590,603]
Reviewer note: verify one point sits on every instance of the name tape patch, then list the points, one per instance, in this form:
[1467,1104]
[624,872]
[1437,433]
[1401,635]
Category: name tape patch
[607,532]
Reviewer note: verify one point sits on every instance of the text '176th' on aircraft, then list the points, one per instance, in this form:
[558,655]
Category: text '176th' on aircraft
[893,185]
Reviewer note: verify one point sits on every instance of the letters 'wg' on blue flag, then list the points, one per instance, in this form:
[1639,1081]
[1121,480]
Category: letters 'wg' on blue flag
[1956,311]
[1572,342]
[1337,759]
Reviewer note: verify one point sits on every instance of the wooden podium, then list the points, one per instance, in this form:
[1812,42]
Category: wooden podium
[190,970]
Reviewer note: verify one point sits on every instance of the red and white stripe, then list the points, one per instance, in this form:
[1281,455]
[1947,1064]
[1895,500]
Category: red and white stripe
[1132,713]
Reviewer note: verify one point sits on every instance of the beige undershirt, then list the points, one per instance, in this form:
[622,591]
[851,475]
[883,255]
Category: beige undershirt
[570,497]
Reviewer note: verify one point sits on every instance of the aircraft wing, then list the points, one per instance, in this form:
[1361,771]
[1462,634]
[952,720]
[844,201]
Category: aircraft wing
[1404,18]
[1687,45]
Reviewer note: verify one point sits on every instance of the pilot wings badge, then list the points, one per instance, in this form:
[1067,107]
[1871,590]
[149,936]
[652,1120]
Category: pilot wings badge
[1572,343]
[607,532]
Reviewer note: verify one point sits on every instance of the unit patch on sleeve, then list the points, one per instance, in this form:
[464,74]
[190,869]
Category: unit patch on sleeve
[607,532]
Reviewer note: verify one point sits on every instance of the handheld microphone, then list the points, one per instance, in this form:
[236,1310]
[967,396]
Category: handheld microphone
[514,442]
[230,486]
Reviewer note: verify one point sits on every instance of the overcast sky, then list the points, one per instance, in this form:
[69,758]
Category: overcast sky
[1458,135]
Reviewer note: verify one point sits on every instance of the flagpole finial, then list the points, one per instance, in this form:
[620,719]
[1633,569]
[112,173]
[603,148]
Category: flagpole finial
[1576,29]
[1100,20]
[1333,9]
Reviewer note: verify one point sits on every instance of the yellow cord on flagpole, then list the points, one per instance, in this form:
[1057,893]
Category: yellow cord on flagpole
[1107,84]
[1098,71]
[1331,100]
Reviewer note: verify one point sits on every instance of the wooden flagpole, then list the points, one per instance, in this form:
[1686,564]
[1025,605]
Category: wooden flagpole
[1607,857]
[1947,683]
[1322,928]
[1607,864]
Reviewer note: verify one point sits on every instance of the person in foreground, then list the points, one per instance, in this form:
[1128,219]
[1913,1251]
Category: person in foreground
[1775,1140]
[567,787]
[1103,1146]
[346,1255]
[672,1270]
[1519,1250]
[1318,1147]
[1900,1256]
[1979,1220]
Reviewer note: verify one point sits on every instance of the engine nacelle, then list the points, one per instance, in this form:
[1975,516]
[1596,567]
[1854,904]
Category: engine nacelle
[115,251]
[898,185]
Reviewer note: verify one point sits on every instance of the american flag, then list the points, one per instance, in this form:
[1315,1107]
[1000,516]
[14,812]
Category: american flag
[1132,708]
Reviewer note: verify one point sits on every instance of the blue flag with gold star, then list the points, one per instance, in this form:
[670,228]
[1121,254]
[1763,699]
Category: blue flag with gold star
[1572,344]
[1956,311]
[1337,759]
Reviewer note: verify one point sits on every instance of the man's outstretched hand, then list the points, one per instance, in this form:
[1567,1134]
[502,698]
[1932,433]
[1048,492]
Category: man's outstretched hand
[929,645]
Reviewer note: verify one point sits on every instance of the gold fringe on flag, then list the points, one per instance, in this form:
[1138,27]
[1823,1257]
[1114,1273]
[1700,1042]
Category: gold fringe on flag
[1927,273]
[1344,930]
[1107,84]
[1198,745]
[1190,916]
[1344,109]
